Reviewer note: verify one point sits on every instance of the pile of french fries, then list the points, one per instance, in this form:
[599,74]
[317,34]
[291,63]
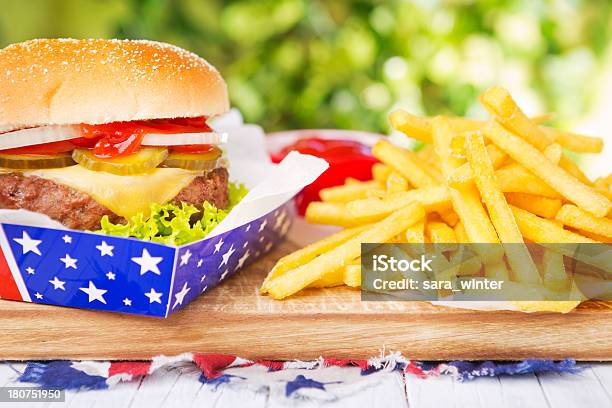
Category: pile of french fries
[505,180]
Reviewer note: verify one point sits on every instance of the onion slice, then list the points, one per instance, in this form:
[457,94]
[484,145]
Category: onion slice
[178,139]
[58,133]
[38,135]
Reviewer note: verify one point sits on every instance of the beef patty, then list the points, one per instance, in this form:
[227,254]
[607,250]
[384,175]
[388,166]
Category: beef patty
[78,210]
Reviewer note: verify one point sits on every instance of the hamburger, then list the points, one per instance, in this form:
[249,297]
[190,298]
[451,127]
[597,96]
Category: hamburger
[99,132]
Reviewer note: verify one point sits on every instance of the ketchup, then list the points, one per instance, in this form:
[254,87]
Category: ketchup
[346,158]
[124,138]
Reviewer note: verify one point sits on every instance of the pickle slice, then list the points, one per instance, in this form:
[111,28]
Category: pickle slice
[144,160]
[31,162]
[194,161]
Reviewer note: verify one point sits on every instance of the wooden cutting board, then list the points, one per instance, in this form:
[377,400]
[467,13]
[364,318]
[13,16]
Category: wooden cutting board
[235,319]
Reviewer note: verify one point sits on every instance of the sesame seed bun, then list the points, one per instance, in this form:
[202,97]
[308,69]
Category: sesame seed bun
[66,81]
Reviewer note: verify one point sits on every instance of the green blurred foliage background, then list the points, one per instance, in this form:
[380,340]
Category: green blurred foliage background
[346,64]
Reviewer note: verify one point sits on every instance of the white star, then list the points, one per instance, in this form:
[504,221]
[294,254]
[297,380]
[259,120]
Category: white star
[105,249]
[204,288]
[28,244]
[203,278]
[218,246]
[286,226]
[154,297]
[181,295]
[38,296]
[57,284]
[110,276]
[127,302]
[94,293]
[248,228]
[185,257]
[262,238]
[200,263]
[69,262]
[148,263]
[224,274]
[67,239]
[246,244]
[30,270]
[227,255]
[279,220]
[243,259]
[263,225]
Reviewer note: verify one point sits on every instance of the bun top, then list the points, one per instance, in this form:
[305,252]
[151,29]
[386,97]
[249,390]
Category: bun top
[66,81]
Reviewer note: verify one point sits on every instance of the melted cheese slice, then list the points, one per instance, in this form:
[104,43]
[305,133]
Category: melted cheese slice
[123,195]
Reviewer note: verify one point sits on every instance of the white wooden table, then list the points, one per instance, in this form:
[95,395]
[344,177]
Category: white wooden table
[591,388]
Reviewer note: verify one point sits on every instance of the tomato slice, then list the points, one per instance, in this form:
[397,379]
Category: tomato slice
[177,125]
[45,149]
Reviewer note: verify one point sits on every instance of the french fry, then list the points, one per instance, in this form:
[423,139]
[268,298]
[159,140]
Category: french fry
[296,279]
[429,156]
[570,166]
[460,233]
[309,252]
[575,142]
[449,216]
[380,172]
[395,183]
[441,235]
[601,183]
[415,234]
[594,237]
[432,198]
[403,161]
[514,178]
[554,275]
[463,174]
[539,229]
[575,217]
[542,206]
[319,212]
[503,220]
[459,125]
[497,271]
[465,198]
[466,201]
[349,192]
[420,128]
[465,267]
[412,126]
[330,280]
[567,185]
[352,276]
[553,152]
[500,104]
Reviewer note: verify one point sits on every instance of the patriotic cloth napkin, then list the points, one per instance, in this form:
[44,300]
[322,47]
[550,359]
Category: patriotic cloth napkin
[321,379]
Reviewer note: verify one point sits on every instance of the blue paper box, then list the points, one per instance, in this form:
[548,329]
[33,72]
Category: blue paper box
[101,272]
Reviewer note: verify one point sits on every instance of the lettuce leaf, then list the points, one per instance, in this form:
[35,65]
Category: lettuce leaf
[171,224]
